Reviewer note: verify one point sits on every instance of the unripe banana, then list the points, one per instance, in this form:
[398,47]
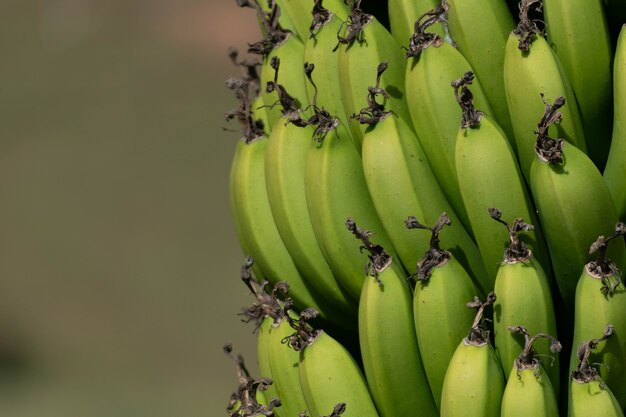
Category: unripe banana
[489,176]
[328,373]
[573,203]
[362,46]
[389,349]
[318,51]
[403,14]
[532,73]
[615,171]
[578,33]
[589,396]
[251,210]
[601,300]
[287,49]
[300,13]
[474,382]
[439,312]
[523,297]
[431,64]
[480,28]
[285,167]
[528,390]
[335,187]
[401,182]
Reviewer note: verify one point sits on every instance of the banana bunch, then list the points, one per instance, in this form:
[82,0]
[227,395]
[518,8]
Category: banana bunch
[495,128]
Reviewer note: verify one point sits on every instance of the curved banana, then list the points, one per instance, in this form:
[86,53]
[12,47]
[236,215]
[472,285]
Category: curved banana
[489,176]
[285,167]
[601,300]
[280,47]
[251,210]
[441,318]
[573,203]
[389,349]
[431,64]
[335,187]
[480,28]
[474,382]
[529,391]
[328,373]
[400,181]
[578,33]
[532,74]
[589,396]
[524,296]
[403,15]
[615,170]
[362,46]
[318,51]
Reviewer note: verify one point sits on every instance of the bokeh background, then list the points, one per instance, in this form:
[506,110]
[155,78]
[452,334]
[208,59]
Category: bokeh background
[119,265]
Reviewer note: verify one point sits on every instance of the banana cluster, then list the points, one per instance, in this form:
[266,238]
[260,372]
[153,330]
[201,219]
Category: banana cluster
[432,212]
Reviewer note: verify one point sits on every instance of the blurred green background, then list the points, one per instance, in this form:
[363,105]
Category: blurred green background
[119,266]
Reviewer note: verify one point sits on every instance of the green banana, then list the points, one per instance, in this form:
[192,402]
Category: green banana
[529,391]
[532,74]
[480,28]
[403,15]
[578,33]
[362,45]
[335,187]
[252,213]
[431,64]
[615,170]
[280,46]
[250,399]
[523,297]
[573,203]
[489,176]
[474,382]
[285,167]
[389,349]
[328,373]
[400,181]
[300,13]
[589,396]
[601,300]
[440,315]
[318,51]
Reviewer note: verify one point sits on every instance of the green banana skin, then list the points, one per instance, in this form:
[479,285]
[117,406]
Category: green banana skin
[439,312]
[251,209]
[435,113]
[578,33]
[403,14]
[486,165]
[318,51]
[391,357]
[284,364]
[527,76]
[529,392]
[291,75]
[330,375]
[480,29]
[300,13]
[592,399]
[615,170]
[358,61]
[524,297]
[285,168]
[571,223]
[263,359]
[335,187]
[401,182]
[601,300]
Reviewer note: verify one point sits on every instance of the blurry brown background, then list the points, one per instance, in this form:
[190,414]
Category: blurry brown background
[119,267]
